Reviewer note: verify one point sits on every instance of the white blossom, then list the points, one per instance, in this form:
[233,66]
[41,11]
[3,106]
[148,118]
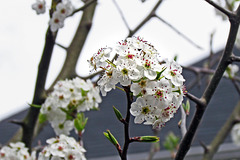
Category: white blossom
[56,22]
[68,98]
[39,6]
[62,148]
[235,134]
[16,151]
[157,85]
[231,70]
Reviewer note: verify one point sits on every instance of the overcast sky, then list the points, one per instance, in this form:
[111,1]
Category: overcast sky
[22,34]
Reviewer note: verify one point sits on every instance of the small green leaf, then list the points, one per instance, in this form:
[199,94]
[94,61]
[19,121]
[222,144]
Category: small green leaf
[118,114]
[171,142]
[111,138]
[42,118]
[80,122]
[186,107]
[159,74]
[175,58]
[35,105]
[151,139]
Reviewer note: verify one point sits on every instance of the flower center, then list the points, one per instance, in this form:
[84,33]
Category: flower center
[145,110]
[159,94]
[124,71]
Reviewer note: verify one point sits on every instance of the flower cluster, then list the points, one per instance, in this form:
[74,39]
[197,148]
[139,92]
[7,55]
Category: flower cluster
[235,134]
[157,84]
[16,151]
[63,9]
[69,98]
[62,148]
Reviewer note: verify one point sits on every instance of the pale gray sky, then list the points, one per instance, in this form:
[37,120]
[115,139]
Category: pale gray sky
[23,32]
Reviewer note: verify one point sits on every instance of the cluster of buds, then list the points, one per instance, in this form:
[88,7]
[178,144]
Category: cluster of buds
[62,11]
[16,151]
[157,84]
[62,148]
[68,98]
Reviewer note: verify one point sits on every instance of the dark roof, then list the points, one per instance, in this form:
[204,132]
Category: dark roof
[97,145]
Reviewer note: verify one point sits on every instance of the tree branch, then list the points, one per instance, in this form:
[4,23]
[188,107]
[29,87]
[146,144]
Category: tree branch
[179,33]
[120,12]
[39,95]
[221,9]
[209,91]
[126,125]
[74,50]
[145,20]
[222,134]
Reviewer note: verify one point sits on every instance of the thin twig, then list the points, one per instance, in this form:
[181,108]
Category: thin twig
[222,134]
[183,122]
[61,46]
[221,9]
[198,101]
[121,14]
[83,7]
[209,91]
[178,32]
[146,19]
[234,58]
[236,86]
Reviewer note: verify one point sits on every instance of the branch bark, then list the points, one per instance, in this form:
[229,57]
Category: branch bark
[209,91]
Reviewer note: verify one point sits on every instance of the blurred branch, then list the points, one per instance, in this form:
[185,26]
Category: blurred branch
[61,46]
[74,50]
[235,58]
[236,86]
[120,12]
[222,134]
[178,32]
[89,2]
[183,122]
[221,9]
[146,19]
[209,91]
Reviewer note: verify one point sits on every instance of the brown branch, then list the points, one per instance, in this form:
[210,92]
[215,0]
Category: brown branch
[74,50]
[126,125]
[61,46]
[178,32]
[234,58]
[198,101]
[209,91]
[39,95]
[222,134]
[146,19]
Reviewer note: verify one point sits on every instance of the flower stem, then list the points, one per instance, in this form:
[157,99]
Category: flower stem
[126,125]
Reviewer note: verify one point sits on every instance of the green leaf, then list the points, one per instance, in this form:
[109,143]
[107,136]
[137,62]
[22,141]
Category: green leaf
[35,105]
[80,122]
[111,138]
[186,107]
[118,114]
[42,118]
[159,74]
[175,58]
[171,142]
[150,139]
